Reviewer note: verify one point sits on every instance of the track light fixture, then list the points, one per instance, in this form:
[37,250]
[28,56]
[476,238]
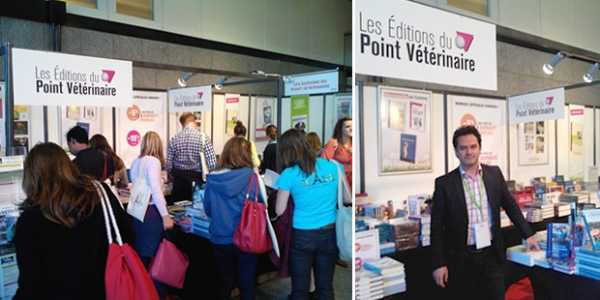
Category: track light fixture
[591,73]
[551,64]
[219,84]
[183,78]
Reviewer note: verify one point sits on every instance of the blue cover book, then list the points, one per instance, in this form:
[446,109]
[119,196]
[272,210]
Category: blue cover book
[591,217]
[408,147]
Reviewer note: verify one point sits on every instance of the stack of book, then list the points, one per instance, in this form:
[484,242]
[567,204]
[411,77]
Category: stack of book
[387,239]
[561,209]
[368,285]
[406,233]
[552,197]
[587,262]
[546,209]
[200,222]
[534,215]
[392,271]
[519,254]
[425,230]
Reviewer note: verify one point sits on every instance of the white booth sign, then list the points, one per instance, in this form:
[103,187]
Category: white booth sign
[197,98]
[312,83]
[398,39]
[147,113]
[539,106]
[52,78]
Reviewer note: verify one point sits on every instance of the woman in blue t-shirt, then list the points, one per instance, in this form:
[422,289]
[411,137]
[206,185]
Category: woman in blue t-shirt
[313,184]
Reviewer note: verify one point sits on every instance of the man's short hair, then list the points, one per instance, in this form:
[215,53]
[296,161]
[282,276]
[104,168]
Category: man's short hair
[466,130]
[79,134]
[183,119]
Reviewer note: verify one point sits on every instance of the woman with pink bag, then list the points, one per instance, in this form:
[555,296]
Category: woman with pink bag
[224,198]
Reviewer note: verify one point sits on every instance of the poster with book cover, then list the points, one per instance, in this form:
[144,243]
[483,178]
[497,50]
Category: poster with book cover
[266,114]
[146,113]
[88,117]
[404,129]
[576,142]
[232,113]
[489,117]
[532,142]
[343,106]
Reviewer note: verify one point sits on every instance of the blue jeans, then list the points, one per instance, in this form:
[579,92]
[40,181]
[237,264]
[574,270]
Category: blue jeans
[234,266]
[313,249]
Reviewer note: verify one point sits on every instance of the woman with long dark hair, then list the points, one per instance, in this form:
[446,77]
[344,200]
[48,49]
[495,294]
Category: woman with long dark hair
[313,184]
[116,170]
[339,147]
[60,236]
[240,131]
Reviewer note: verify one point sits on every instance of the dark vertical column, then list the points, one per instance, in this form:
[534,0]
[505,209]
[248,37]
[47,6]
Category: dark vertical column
[361,134]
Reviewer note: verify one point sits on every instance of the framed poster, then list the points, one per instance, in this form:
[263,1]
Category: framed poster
[576,163]
[532,143]
[404,129]
[489,117]
[343,106]
[232,113]
[266,114]
[299,112]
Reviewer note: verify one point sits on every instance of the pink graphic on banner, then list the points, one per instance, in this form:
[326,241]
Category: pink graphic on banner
[107,75]
[463,40]
[133,138]
[549,100]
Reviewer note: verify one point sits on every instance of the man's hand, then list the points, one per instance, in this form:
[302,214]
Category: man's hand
[440,275]
[532,243]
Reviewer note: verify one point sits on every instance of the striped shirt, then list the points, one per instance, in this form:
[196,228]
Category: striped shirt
[183,152]
[476,200]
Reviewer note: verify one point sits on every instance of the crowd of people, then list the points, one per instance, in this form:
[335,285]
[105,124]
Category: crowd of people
[61,236]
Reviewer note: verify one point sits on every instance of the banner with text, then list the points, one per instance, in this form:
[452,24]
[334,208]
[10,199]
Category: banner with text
[52,78]
[398,39]
[147,113]
[198,98]
[539,106]
[312,83]
[489,117]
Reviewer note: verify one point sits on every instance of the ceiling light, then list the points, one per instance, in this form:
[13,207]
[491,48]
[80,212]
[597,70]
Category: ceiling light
[183,78]
[551,64]
[219,84]
[591,73]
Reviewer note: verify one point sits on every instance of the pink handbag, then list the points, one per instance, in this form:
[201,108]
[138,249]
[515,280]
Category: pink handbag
[169,265]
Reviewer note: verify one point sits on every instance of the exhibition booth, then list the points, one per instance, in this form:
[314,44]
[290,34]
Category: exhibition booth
[416,83]
[50,92]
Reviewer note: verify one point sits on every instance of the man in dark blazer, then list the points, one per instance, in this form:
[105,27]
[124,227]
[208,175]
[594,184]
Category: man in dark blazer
[466,240]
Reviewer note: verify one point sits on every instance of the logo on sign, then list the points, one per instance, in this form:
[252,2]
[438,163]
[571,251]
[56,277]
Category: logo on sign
[549,100]
[107,75]
[133,138]
[463,40]
[133,113]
